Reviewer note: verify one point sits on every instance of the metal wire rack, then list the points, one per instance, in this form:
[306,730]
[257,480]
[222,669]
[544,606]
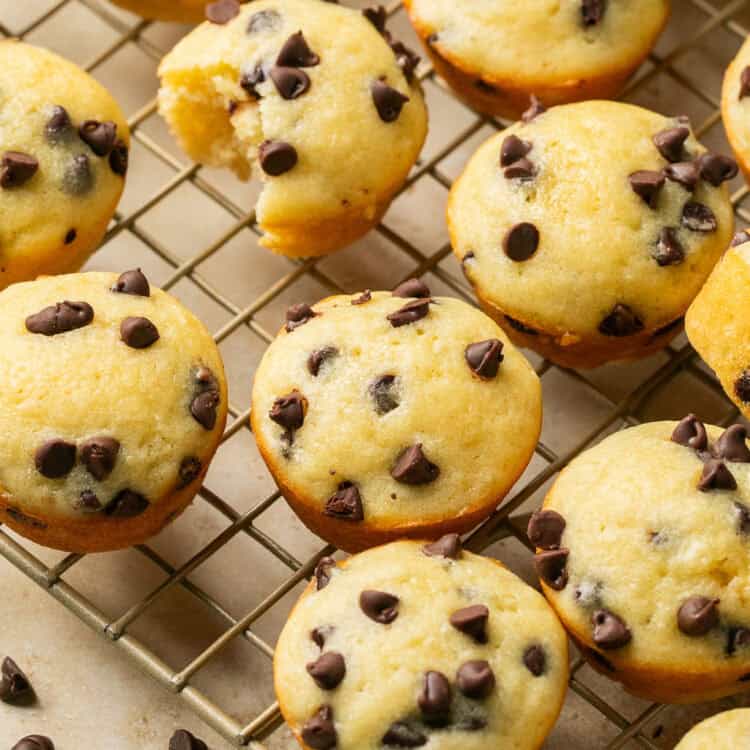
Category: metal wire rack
[700,30]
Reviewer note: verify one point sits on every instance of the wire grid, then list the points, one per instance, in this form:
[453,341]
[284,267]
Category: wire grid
[507,523]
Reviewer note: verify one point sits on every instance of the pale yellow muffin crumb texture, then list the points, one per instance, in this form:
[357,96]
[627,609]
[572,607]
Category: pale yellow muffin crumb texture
[725,731]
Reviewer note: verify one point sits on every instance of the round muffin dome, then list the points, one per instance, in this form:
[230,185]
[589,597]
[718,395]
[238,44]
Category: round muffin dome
[735,106]
[725,731]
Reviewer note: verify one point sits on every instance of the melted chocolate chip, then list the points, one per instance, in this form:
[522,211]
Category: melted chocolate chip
[622,321]
[551,567]
[296,54]
[545,529]
[715,168]
[88,502]
[647,185]
[384,393]
[535,660]
[523,169]
[684,173]
[55,458]
[740,238]
[475,679]
[379,606]
[410,313]
[298,315]
[698,615]
[277,157]
[412,288]
[363,298]
[328,670]
[472,621]
[59,126]
[204,405]
[737,638]
[743,519]
[592,11]
[70,236]
[716,476]
[184,740]
[610,631]
[98,136]
[698,218]
[189,470]
[78,179]
[289,411]
[119,158]
[321,634]
[377,17]
[60,318]
[14,684]
[251,78]
[742,386]
[388,101]
[126,504]
[434,699]
[670,143]
[291,83]
[323,572]
[138,333]
[98,455]
[345,504]
[691,433]
[17,168]
[732,445]
[448,546]
[535,109]
[400,734]
[668,250]
[513,149]
[264,20]
[132,282]
[222,11]
[319,731]
[484,358]
[413,467]
[521,241]
[406,59]
[34,742]
[316,360]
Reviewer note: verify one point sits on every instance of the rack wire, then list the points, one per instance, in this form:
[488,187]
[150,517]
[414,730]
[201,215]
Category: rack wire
[712,25]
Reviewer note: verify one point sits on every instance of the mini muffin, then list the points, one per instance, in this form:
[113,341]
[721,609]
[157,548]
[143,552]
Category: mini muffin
[113,406]
[414,645]
[727,731]
[587,231]
[63,157]
[313,98]
[184,11]
[496,54]
[388,415]
[643,549]
[735,107]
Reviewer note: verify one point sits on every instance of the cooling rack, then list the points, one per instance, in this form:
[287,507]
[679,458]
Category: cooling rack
[683,75]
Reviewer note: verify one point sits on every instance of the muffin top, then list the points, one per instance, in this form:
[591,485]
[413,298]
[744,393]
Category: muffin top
[736,101]
[409,645]
[725,731]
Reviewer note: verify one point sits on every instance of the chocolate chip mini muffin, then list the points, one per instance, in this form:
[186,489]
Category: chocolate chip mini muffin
[63,157]
[496,54]
[385,415]
[643,549]
[587,231]
[726,731]
[315,99]
[414,645]
[113,404]
[735,107]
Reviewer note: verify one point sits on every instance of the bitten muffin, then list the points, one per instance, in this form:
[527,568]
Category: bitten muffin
[497,54]
[643,549]
[726,731]
[113,404]
[718,322]
[414,645]
[735,107]
[313,98]
[184,11]
[587,231]
[385,415]
[63,157]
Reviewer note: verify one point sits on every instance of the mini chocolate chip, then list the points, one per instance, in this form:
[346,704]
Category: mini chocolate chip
[203,408]
[448,546]
[98,455]
[60,318]
[119,158]
[513,149]
[184,740]
[78,179]
[737,638]
[472,621]
[535,109]
[691,433]
[684,173]
[14,684]
[17,168]
[376,16]
[716,476]
[298,315]
[328,670]
[98,136]
[742,386]
[318,357]
[264,20]
[126,504]
[88,502]
[379,606]
[545,529]
[535,660]
[622,321]
[320,635]
[670,142]
[592,11]
[138,333]
[291,83]
[744,82]
[55,458]
[319,731]
[59,126]
[222,11]
[698,218]
[296,53]
[647,185]
[277,157]
[34,742]
[412,288]
[323,572]
[388,101]
[289,411]
[434,699]
[743,519]
[715,168]
[740,238]
[668,250]
[406,59]
[522,169]
[70,236]
[400,734]
[698,615]
[345,504]
[363,298]
[413,467]
[132,282]
[610,631]
[189,470]
[410,312]
[521,241]
[475,679]
[732,445]
[251,78]
[484,358]
[551,567]
[517,325]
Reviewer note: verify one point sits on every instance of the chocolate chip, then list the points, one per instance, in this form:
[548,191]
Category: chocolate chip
[88,502]
[715,168]
[132,282]
[291,83]
[410,313]
[668,250]
[742,386]
[388,101]
[203,408]
[190,469]
[691,433]
[60,318]
[55,458]
[517,325]
[70,236]
[328,670]
[744,82]
[698,615]
[289,411]
[34,742]
[522,169]
[670,143]
[732,445]
[264,20]
[400,734]
[472,621]
[434,699]
[126,504]
[98,455]
[716,476]
[610,631]
[376,16]
[323,572]
[535,660]
[321,634]
[345,504]
[17,168]
[78,179]
[250,79]
[535,109]
[684,173]
[737,638]
[413,467]
[592,11]
[98,136]
[475,679]
[14,684]
[485,87]
[743,519]
[277,157]
[298,315]
[363,298]
[319,731]
[379,606]
[622,321]
[222,11]
[513,149]
[184,740]
[138,333]
[412,288]
[551,567]
[545,529]
[316,360]
[521,241]
[296,54]
[698,217]
[647,185]
[484,358]
[740,238]
[406,59]
[59,126]
[119,158]
[448,546]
